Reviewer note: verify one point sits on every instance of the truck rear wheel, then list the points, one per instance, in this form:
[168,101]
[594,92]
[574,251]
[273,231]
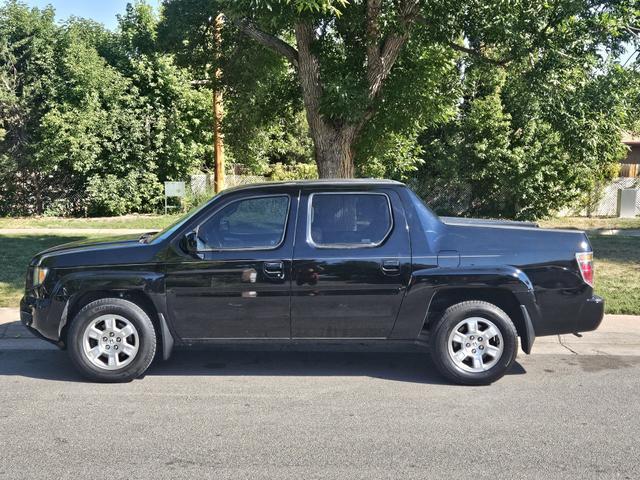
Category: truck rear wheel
[474,343]
[112,340]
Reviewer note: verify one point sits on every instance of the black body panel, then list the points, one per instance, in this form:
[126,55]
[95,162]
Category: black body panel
[233,294]
[349,292]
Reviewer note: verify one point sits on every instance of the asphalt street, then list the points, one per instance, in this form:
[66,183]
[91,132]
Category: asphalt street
[224,414]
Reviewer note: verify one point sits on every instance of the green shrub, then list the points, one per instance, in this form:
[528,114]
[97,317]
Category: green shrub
[193,200]
[295,171]
[110,195]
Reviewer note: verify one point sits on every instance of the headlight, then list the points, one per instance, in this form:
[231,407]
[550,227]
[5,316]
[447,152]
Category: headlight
[39,274]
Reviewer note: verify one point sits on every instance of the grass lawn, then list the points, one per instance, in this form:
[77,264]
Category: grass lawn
[126,221]
[617,267]
[617,272]
[585,223]
[15,253]
[161,221]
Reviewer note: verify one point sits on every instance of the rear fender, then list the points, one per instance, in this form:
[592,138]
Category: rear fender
[426,283]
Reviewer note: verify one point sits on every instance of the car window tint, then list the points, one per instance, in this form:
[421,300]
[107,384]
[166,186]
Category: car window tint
[253,223]
[359,219]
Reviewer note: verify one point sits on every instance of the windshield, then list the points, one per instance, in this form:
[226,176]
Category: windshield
[168,231]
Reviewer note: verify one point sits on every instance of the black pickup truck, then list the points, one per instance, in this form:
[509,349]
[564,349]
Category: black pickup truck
[359,261]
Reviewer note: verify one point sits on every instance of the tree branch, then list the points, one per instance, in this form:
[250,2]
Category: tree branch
[538,39]
[198,83]
[272,42]
[477,53]
[382,54]
[373,38]
[309,76]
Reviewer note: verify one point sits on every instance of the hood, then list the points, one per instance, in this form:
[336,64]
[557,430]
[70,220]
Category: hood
[93,244]
[110,250]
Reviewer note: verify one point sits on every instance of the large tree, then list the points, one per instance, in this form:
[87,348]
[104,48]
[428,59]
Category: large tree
[539,122]
[334,66]
[344,54]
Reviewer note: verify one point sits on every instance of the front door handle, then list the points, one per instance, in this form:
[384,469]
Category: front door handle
[274,269]
[391,267]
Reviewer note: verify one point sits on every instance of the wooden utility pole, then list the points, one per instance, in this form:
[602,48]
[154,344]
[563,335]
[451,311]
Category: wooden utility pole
[218,112]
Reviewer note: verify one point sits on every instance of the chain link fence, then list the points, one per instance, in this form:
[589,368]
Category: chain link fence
[203,184]
[452,200]
[607,203]
[456,199]
[234,180]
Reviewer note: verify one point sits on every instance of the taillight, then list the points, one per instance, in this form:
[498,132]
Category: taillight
[585,262]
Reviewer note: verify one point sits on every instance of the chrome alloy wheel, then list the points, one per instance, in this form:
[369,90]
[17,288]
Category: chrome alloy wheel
[110,342]
[475,344]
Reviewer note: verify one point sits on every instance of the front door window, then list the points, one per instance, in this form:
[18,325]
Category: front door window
[256,223]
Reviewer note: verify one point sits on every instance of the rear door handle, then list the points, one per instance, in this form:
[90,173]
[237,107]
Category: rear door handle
[391,267]
[274,269]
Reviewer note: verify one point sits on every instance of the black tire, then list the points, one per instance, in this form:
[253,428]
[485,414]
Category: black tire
[439,342]
[132,313]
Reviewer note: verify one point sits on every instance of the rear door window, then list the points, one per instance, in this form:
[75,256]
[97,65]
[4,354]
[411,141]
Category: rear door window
[348,219]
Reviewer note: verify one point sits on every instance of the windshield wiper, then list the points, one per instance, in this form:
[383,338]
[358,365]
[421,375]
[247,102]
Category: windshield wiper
[146,236]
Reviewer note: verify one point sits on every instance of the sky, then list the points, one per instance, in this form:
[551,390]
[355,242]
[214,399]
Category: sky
[103,11]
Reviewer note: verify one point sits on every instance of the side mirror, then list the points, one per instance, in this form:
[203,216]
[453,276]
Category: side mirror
[190,242]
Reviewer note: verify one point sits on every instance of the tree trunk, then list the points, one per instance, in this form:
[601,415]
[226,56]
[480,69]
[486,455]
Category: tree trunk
[333,141]
[333,144]
[39,210]
[333,153]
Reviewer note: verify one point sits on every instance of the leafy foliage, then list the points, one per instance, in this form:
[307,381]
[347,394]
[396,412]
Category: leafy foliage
[295,171]
[94,115]
[524,145]
[264,121]
[518,105]
[113,195]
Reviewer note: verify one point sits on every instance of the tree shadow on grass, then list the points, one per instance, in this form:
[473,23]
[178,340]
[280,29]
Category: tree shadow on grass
[615,248]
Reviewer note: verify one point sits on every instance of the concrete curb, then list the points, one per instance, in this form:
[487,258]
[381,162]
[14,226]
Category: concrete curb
[618,335]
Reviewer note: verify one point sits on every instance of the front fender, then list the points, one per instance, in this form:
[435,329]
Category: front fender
[74,286]
[83,281]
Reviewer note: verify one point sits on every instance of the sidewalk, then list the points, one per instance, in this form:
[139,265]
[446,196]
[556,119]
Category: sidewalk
[14,336]
[618,335]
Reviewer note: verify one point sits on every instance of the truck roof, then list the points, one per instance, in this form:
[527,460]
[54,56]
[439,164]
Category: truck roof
[362,182]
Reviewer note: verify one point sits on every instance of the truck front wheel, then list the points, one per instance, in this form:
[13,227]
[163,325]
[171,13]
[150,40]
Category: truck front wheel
[112,340]
[474,343]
